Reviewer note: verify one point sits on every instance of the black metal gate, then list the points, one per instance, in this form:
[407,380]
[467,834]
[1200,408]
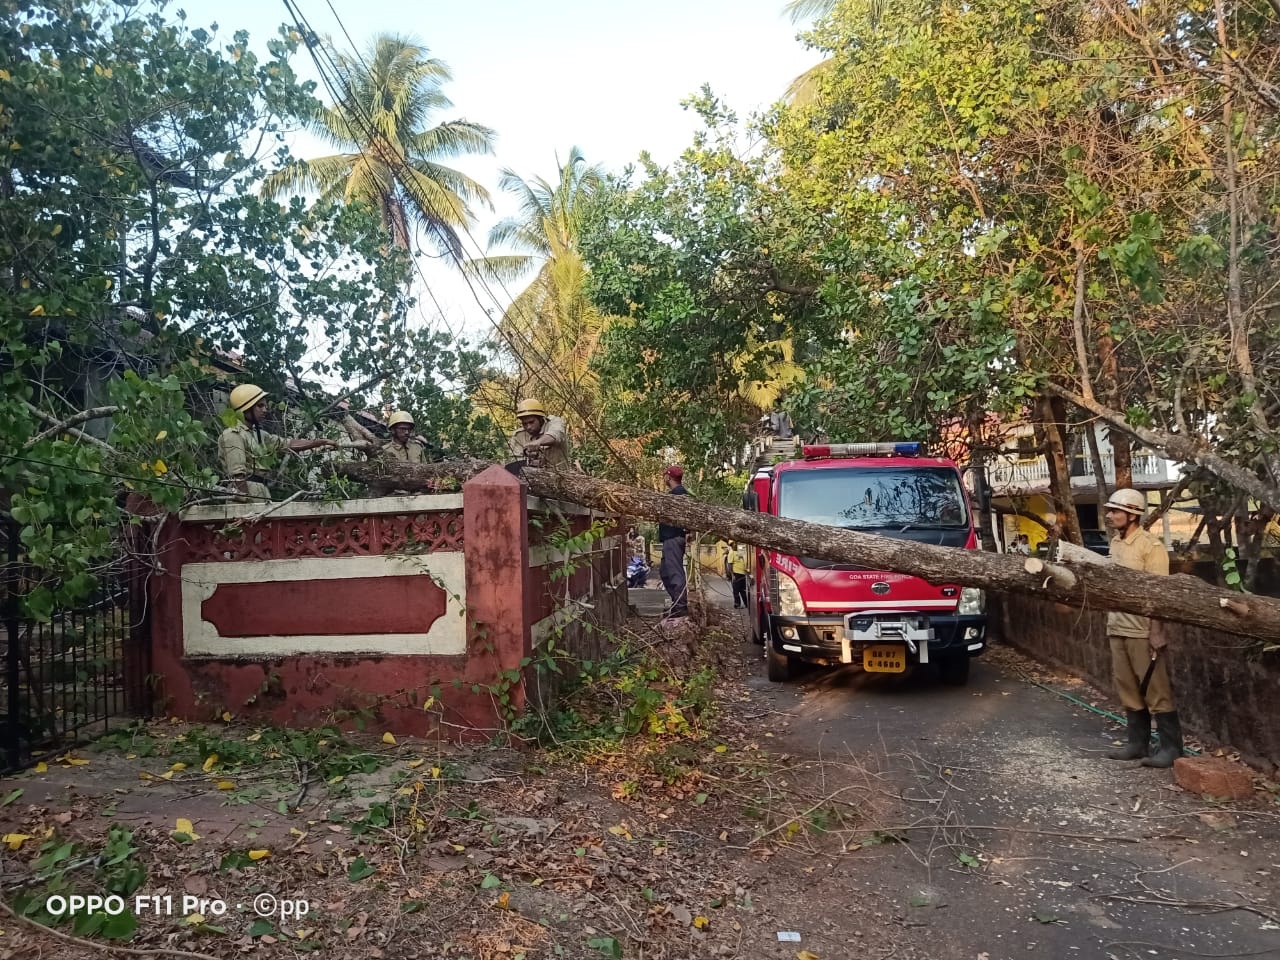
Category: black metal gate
[72,678]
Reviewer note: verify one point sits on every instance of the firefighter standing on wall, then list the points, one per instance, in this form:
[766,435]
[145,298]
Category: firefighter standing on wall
[543,441]
[1139,660]
[247,451]
[401,447]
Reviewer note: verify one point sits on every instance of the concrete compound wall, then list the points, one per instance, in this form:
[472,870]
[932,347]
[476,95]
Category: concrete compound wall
[317,612]
[1226,689]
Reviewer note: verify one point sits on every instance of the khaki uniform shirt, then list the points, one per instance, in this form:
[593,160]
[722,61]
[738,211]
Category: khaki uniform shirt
[411,452]
[245,453]
[556,456]
[1140,550]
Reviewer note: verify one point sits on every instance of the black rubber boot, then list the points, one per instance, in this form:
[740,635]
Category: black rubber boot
[1139,737]
[1169,748]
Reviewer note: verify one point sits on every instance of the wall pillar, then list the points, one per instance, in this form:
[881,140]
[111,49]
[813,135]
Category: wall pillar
[495,516]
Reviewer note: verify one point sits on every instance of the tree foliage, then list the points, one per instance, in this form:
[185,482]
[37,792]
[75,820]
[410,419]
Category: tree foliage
[141,269]
[694,260]
[982,198]
[551,330]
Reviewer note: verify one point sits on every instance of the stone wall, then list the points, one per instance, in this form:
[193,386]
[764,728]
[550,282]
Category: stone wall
[577,590]
[309,613]
[1227,690]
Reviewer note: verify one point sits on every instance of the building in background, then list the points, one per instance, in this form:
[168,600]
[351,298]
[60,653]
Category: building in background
[1018,477]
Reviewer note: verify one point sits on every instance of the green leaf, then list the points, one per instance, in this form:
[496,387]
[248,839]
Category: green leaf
[359,869]
[607,946]
[262,928]
[490,881]
[120,926]
[88,924]
[14,795]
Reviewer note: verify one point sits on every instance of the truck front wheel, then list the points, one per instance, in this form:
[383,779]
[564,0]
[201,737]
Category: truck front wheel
[777,665]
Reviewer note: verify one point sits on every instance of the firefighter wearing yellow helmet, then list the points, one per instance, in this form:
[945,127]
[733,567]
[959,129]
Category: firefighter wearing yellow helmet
[248,452]
[1138,659]
[402,447]
[541,440]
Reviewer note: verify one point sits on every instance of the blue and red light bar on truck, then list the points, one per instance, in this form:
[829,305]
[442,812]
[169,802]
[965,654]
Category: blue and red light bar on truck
[823,450]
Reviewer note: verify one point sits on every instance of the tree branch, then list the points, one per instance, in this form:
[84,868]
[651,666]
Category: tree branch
[776,283]
[68,426]
[1183,449]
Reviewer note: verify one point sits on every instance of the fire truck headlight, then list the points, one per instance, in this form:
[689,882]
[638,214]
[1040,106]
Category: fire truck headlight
[972,601]
[790,603]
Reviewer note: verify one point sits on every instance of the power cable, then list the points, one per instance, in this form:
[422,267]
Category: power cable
[369,128]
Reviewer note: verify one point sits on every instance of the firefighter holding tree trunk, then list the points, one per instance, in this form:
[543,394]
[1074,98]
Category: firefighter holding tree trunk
[1139,658]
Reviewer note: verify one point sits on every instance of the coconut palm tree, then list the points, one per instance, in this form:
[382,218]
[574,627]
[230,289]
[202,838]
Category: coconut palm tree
[390,151]
[549,216]
[551,329]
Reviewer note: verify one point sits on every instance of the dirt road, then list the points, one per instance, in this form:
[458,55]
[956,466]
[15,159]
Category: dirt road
[1021,839]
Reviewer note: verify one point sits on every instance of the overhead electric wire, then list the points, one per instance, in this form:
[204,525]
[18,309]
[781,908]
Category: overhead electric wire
[370,129]
[316,48]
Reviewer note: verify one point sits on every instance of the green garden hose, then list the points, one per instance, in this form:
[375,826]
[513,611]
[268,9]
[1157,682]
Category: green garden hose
[1089,706]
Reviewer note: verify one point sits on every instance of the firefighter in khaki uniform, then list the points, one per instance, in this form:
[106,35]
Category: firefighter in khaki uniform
[1138,643]
[541,440]
[248,452]
[401,447]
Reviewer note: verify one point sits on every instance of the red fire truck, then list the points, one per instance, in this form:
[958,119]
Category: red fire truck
[805,609]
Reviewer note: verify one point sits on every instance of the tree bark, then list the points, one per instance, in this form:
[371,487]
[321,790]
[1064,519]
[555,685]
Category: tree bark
[64,426]
[1053,422]
[1099,469]
[1122,452]
[1179,598]
[1175,447]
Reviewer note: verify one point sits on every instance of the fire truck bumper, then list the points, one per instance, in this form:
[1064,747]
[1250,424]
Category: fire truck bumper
[822,638]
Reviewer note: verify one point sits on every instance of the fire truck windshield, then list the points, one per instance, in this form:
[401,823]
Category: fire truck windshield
[863,498]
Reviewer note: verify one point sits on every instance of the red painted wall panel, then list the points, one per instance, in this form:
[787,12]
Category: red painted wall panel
[325,608]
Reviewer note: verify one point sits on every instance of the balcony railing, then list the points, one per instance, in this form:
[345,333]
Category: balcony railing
[1008,472]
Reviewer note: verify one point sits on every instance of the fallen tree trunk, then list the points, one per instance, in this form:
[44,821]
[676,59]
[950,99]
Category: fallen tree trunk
[1178,598]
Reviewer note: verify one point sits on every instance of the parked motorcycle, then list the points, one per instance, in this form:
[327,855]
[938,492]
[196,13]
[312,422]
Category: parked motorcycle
[637,572]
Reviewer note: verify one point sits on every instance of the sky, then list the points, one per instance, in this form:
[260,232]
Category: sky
[606,75]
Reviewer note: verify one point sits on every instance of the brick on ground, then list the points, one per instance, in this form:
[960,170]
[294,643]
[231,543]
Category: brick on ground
[1213,777]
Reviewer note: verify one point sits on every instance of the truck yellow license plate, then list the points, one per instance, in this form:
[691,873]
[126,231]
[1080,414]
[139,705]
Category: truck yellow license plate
[884,659]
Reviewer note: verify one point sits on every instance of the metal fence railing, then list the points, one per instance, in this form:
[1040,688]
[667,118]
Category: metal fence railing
[68,679]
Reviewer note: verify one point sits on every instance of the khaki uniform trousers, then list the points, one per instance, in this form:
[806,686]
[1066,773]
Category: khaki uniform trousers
[1130,658]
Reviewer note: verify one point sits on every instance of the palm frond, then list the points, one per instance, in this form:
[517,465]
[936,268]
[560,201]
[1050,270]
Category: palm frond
[800,10]
[308,176]
[516,233]
[434,202]
[468,190]
[505,268]
[451,139]
[805,89]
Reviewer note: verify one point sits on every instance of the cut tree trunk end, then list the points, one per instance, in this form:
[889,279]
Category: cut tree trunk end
[1178,598]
